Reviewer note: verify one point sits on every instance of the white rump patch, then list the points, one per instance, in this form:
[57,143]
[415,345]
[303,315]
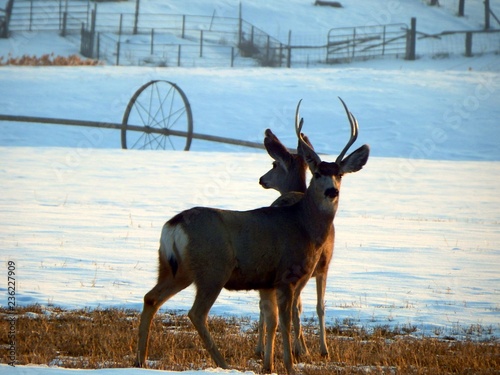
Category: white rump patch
[173,236]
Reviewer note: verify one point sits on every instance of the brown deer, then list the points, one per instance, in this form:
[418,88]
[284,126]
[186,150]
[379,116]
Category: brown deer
[270,248]
[288,177]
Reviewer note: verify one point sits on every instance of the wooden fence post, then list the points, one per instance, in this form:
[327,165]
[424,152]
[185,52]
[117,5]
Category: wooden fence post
[486,14]
[289,57]
[240,26]
[118,45]
[120,26]
[268,48]
[468,44]
[183,25]
[201,43]
[136,18]
[82,39]
[280,55]
[411,39]
[31,15]
[383,40]
[65,20]
[353,43]
[152,41]
[461,7]
[4,33]
[98,54]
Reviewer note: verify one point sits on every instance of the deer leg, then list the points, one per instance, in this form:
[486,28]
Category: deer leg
[300,347]
[285,300]
[205,298]
[269,311]
[320,309]
[259,349]
[162,291]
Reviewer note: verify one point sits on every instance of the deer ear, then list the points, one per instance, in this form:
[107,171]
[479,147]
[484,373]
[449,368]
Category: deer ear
[275,148]
[306,140]
[356,160]
[305,150]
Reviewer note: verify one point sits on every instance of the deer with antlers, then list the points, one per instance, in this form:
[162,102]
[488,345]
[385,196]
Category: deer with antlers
[269,248]
[288,177]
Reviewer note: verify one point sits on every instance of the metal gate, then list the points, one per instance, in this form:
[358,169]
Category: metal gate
[360,43]
[62,15]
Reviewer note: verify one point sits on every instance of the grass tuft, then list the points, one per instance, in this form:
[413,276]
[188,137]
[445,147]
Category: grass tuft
[48,60]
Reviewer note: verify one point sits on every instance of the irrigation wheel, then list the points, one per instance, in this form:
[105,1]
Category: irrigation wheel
[155,118]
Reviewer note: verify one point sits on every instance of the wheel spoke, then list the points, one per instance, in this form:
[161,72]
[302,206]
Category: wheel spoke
[180,113]
[139,106]
[160,109]
[139,140]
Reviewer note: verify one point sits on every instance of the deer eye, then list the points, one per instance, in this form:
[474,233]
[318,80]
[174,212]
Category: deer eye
[275,164]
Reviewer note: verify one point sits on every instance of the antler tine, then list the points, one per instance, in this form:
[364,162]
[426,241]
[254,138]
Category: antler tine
[354,132]
[298,120]
[304,149]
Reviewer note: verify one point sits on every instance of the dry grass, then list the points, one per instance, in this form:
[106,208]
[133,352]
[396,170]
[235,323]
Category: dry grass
[47,60]
[108,338]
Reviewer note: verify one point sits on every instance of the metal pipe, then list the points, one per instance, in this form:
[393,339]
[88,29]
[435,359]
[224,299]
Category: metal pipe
[144,129]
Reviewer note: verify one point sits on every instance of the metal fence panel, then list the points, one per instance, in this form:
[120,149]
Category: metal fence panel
[351,43]
[47,15]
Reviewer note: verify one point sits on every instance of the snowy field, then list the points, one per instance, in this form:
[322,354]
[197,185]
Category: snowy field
[418,234]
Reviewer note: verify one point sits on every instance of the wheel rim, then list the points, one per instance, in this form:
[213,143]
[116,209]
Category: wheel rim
[155,107]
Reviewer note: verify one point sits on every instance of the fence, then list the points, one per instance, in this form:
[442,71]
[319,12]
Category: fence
[467,43]
[351,43]
[60,15]
[185,40]
[178,40]
[150,51]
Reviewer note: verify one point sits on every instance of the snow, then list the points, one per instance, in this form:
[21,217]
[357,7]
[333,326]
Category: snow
[417,229]
[432,114]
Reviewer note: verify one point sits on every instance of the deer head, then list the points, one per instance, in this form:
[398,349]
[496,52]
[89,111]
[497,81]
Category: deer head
[288,172]
[327,176]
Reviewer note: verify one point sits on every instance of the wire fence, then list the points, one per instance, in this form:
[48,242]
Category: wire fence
[455,43]
[143,50]
[178,40]
[55,15]
[196,41]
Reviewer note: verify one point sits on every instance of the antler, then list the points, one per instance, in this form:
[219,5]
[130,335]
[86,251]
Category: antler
[354,132]
[304,148]
[298,121]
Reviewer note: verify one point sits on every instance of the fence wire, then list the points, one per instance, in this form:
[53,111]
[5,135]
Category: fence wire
[192,41]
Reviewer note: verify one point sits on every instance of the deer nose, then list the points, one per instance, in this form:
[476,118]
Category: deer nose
[262,183]
[331,192]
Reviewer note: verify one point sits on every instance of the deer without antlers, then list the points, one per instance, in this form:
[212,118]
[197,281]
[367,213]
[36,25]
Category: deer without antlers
[269,248]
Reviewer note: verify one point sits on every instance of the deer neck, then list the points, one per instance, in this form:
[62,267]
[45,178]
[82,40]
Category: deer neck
[296,180]
[295,186]
[318,213]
